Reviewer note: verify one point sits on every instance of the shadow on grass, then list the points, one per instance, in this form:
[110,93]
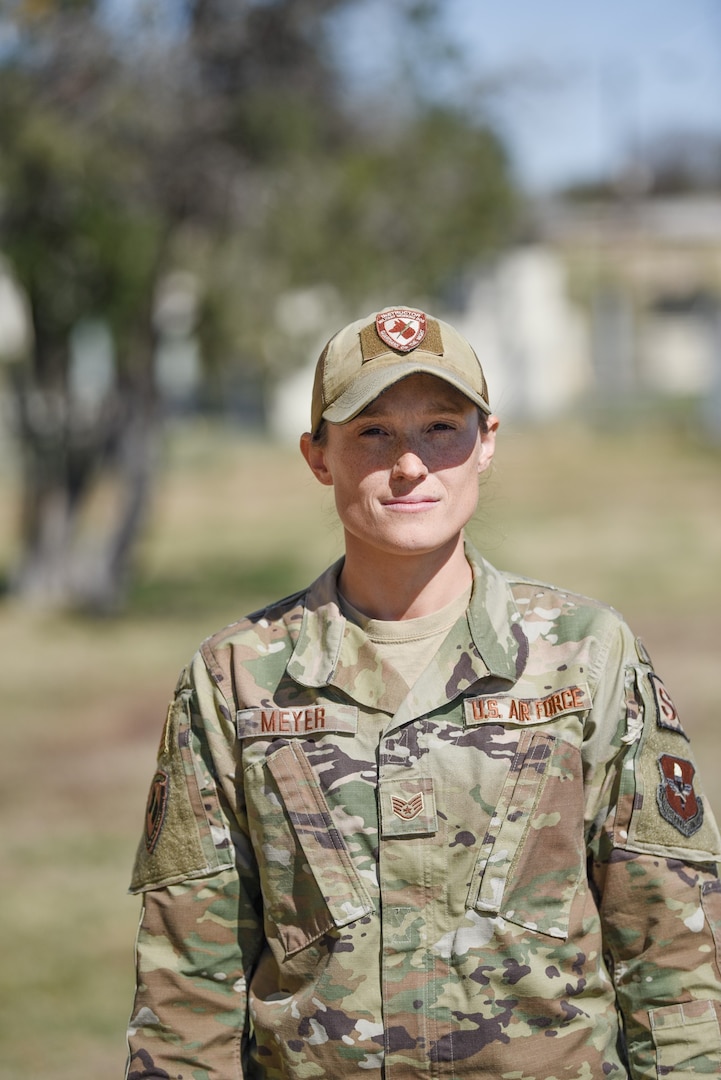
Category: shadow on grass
[220,586]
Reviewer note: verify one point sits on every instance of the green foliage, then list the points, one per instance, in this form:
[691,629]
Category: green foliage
[112,148]
[223,142]
[80,233]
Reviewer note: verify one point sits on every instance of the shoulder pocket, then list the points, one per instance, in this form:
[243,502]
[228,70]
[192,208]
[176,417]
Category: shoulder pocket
[533,853]
[178,841]
[309,883]
[668,811]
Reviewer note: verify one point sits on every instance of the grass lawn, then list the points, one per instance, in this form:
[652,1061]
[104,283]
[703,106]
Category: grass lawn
[631,517]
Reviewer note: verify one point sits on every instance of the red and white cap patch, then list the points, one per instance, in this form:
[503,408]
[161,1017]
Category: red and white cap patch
[403,329]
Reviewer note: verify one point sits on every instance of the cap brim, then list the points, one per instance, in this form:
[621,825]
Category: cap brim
[379,376]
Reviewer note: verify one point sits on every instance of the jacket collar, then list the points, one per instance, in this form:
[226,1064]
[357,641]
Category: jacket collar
[488,641]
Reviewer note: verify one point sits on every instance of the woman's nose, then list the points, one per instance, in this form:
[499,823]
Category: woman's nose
[409,466]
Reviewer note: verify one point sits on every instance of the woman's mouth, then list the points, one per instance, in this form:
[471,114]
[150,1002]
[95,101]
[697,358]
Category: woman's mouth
[410,504]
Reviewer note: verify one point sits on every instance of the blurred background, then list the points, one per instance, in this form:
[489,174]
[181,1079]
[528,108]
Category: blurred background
[193,196]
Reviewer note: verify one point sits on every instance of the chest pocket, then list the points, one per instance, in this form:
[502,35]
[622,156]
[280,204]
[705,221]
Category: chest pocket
[533,853]
[309,883]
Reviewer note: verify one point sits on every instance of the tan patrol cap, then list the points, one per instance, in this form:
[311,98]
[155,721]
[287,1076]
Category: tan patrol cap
[369,355]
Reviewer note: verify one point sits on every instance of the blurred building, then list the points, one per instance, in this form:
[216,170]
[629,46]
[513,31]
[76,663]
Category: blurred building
[616,303]
[647,272]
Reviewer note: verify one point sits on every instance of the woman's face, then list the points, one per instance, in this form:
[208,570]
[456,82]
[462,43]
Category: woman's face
[405,471]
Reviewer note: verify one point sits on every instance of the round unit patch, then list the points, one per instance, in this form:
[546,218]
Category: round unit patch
[403,329]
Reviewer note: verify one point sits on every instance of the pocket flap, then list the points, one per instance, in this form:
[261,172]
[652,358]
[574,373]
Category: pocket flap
[687,1039]
[533,853]
[322,844]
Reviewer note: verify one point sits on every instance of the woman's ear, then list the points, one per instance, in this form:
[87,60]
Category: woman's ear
[315,455]
[488,443]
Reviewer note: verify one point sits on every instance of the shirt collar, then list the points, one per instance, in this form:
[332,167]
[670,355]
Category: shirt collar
[499,644]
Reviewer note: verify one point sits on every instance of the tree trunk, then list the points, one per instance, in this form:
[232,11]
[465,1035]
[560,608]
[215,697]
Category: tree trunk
[103,586]
[80,464]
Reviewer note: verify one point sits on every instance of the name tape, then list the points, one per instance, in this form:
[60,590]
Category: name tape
[488,709]
[255,722]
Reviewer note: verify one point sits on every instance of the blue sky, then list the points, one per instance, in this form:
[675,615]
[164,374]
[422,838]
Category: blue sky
[614,72]
[580,81]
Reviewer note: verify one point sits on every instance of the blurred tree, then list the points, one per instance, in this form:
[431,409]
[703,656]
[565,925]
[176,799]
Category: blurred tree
[679,161]
[215,136]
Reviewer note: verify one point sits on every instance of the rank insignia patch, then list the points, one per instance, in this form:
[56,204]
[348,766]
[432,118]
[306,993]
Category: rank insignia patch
[666,715]
[156,809]
[407,809]
[676,798]
[402,329]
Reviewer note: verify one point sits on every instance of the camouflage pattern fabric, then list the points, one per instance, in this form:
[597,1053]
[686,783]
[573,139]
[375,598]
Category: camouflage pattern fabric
[508,872]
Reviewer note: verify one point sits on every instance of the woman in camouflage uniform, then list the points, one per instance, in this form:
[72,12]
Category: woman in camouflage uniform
[423,818]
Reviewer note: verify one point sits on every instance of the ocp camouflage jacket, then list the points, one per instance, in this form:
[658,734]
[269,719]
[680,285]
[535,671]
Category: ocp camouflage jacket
[507,872]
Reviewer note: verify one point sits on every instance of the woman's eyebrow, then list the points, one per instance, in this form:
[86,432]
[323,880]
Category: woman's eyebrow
[375,411]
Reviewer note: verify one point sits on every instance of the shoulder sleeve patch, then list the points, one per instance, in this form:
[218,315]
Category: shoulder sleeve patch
[666,715]
[177,841]
[677,801]
[156,808]
[669,815]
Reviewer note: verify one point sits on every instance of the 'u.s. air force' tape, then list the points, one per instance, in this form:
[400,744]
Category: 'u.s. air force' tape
[492,708]
[307,720]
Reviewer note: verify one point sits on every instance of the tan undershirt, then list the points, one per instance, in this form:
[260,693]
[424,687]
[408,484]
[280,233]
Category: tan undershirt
[409,645]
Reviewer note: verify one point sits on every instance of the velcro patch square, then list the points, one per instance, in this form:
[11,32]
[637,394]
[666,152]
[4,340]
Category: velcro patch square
[408,807]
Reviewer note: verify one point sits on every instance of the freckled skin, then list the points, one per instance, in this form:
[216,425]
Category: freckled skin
[405,479]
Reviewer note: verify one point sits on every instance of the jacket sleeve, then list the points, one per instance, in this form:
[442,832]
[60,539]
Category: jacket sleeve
[201,925]
[654,846]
